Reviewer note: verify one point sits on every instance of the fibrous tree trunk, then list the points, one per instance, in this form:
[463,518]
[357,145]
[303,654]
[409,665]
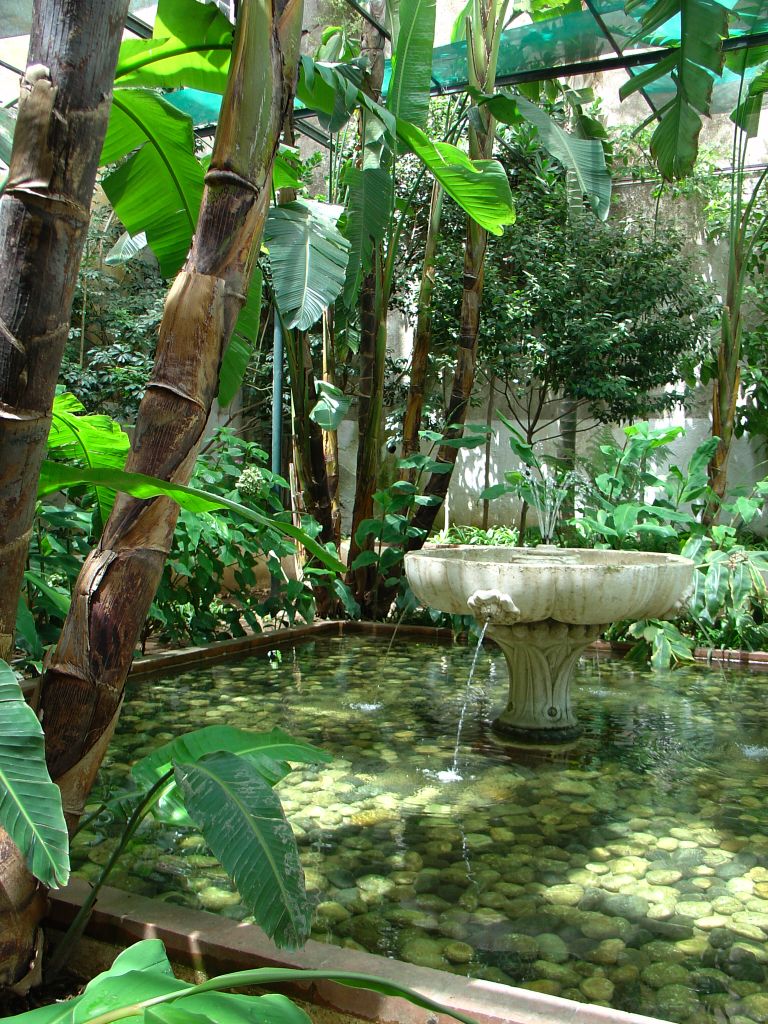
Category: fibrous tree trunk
[373,343]
[308,442]
[725,388]
[83,686]
[64,103]
[423,336]
[331,437]
[482,52]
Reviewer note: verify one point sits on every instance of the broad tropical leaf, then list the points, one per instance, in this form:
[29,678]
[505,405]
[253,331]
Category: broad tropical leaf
[747,113]
[241,344]
[54,476]
[284,175]
[694,65]
[125,248]
[459,30]
[90,440]
[227,1008]
[7,125]
[268,752]
[480,187]
[30,804]
[190,46]
[158,189]
[408,94]
[332,91]
[308,256]
[331,406]
[243,823]
[368,209]
[585,158]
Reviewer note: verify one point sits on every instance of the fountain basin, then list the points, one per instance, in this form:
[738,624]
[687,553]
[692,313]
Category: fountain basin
[543,606]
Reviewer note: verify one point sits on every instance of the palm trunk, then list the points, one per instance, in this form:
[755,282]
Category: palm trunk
[83,686]
[308,436]
[44,213]
[725,394]
[482,52]
[423,337]
[373,344]
[331,437]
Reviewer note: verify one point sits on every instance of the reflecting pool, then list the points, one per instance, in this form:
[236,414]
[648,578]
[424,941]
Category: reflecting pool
[630,869]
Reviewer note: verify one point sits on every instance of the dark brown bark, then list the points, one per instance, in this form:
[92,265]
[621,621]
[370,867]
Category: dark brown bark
[64,104]
[725,394]
[331,437]
[83,686]
[308,446]
[423,336]
[63,111]
[372,350]
[482,74]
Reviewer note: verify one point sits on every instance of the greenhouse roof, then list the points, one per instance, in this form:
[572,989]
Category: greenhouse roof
[599,37]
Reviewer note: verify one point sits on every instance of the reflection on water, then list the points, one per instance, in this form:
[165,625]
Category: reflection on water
[630,868]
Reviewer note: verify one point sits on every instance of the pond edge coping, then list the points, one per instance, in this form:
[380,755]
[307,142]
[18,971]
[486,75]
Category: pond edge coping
[212,944]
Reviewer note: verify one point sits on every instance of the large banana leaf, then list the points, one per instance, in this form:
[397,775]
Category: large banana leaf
[694,65]
[308,256]
[585,158]
[243,823]
[268,752]
[55,476]
[480,187]
[158,189]
[125,248]
[190,46]
[408,95]
[90,440]
[30,804]
[369,201]
[242,343]
[332,91]
[747,113]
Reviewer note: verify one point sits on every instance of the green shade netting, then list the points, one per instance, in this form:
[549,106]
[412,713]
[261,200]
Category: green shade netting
[571,38]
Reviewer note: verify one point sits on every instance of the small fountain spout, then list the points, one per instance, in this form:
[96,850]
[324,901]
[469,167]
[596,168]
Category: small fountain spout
[492,607]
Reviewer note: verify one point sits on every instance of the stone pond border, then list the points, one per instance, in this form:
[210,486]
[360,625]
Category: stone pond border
[202,943]
[206,944]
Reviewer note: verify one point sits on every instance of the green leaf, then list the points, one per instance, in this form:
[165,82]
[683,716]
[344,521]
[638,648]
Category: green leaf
[495,491]
[346,597]
[369,200]
[190,46]
[330,90]
[284,175]
[365,558]
[30,804]
[227,1008]
[7,127]
[93,441]
[698,61]
[54,476]
[242,343]
[480,187]
[57,599]
[244,825]
[459,30]
[331,406]
[308,256]
[625,519]
[125,248]
[158,189]
[268,752]
[584,157]
[26,630]
[408,95]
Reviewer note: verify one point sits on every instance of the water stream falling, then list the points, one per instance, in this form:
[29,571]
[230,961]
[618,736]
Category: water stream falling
[453,775]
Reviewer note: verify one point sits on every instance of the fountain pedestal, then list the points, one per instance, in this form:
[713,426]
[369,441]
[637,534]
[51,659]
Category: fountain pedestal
[541,658]
[543,607]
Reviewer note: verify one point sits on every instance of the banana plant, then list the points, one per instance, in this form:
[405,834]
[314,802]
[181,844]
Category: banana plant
[696,60]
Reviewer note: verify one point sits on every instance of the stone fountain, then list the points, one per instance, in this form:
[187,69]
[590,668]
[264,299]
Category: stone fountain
[543,606]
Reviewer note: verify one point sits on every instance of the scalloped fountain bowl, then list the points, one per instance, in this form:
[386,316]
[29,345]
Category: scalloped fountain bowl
[543,607]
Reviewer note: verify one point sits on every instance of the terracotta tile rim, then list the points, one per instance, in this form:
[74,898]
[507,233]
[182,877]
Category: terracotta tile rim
[214,945]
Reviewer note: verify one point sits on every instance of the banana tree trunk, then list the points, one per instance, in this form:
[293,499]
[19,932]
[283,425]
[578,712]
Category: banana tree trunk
[83,686]
[308,444]
[423,337]
[482,54]
[373,342]
[725,394]
[331,437]
[64,103]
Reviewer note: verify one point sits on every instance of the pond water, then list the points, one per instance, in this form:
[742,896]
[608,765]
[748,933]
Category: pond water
[630,869]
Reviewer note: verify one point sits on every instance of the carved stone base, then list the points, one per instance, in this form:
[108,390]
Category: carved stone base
[541,658]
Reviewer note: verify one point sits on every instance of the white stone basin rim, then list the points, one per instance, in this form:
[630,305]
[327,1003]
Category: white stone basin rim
[572,585]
